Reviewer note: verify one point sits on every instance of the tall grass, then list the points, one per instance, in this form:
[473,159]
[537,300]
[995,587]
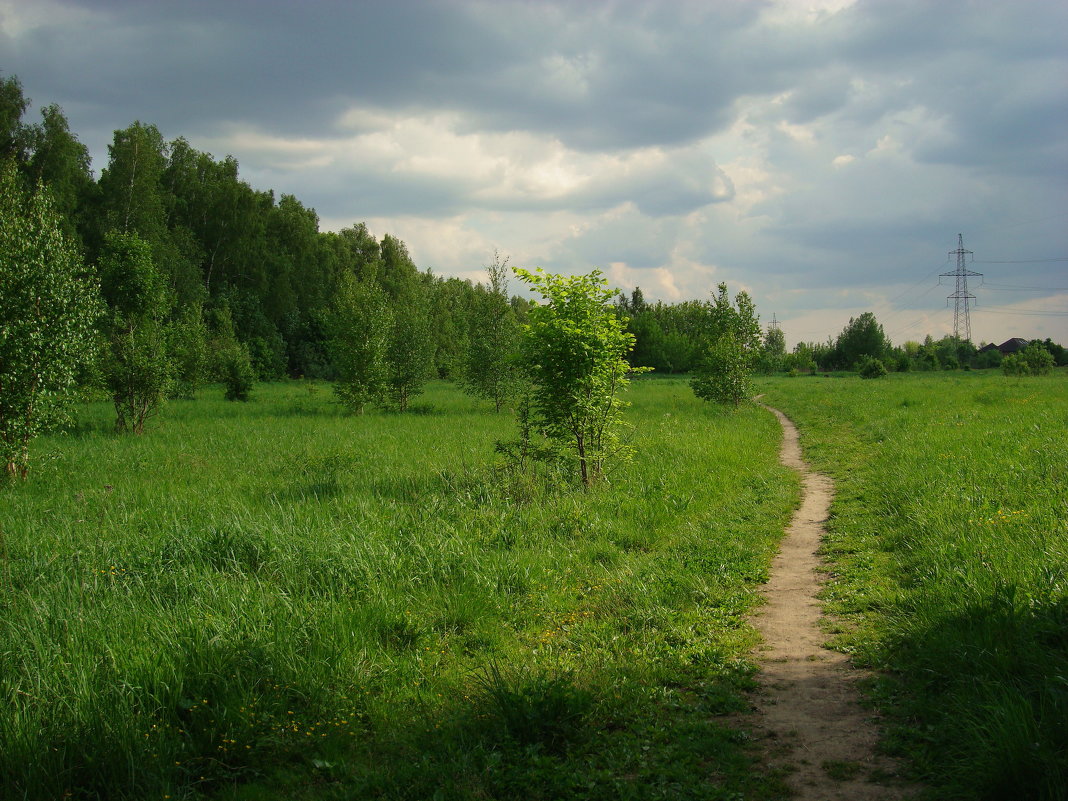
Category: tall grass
[949,542]
[276,600]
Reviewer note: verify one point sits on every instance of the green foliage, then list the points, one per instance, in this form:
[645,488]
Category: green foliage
[451,304]
[48,307]
[862,336]
[62,163]
[670,337]
[188,346]
[359,323]
[947,353]
[230,359]
[409,344]
[724,373]
[1032,360]
[139,373]
[772,357]
[132,197]
[573,349]
[252,327]
[15,137]
[870,367]
[238,374]
[130,283]
[991,357]
[138,369]
[490,370]
[1058,352]
[732,342]
[802,359]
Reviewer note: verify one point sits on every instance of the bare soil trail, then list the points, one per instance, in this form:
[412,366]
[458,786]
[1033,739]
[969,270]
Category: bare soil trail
[809,721]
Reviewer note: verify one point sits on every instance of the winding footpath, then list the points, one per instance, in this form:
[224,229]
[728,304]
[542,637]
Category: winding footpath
[810,723]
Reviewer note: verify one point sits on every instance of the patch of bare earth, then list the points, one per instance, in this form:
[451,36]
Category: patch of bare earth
[809,721]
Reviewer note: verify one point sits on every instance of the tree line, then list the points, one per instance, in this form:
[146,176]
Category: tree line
[863,342]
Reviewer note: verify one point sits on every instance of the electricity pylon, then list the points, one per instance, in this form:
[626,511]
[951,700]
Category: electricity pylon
[961,297]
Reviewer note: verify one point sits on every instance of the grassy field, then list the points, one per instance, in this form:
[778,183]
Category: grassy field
[949,550]
[276,600]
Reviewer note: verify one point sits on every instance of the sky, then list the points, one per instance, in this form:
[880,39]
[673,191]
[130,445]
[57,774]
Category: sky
[822,156]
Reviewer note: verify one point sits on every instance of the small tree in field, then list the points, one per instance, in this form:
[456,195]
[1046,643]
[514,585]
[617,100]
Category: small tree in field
[574,351]
[723,373]
[48,307]
[230,360]
[139,369]
[489,365]
[359,323]
[731,345]
[409,345]
[238,374]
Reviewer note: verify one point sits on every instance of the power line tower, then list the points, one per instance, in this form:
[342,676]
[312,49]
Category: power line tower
[774,324]
[961,297]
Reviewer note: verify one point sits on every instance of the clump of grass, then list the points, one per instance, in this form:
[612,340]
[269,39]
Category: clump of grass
[535,708]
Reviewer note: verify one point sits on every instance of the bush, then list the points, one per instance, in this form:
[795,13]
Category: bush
[989,358]
[237,372]
[1032,360]
[723,374]
[870,367]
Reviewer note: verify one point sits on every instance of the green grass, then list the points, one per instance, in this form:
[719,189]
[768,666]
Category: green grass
[949,549]
[276,600]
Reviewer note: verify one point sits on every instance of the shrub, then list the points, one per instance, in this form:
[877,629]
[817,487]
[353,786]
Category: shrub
[237,372]
[870,367]
[1032,360]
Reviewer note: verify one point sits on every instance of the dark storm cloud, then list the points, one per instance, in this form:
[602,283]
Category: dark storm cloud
[809,154]
[595,76]
[286,67]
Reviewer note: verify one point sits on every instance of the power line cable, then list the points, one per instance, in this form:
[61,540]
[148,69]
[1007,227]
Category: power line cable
[1020,261]
[1024,312]
[999,287]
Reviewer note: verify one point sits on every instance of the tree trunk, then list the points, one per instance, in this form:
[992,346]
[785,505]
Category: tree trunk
[583,467]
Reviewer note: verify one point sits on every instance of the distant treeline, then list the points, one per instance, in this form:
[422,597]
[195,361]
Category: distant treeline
[863,339]
[239,262]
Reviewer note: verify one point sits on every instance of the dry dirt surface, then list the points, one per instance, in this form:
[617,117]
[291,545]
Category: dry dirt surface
[808,720]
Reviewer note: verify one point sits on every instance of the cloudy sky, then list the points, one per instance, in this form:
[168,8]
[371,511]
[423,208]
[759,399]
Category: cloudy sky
[821,154]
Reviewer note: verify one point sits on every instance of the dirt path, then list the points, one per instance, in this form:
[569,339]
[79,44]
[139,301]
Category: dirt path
[809,719]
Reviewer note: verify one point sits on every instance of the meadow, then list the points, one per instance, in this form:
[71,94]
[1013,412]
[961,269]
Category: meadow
[279,600]
[948,566]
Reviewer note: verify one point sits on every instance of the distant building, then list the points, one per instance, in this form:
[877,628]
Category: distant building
[1008,346]
[1012,345]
